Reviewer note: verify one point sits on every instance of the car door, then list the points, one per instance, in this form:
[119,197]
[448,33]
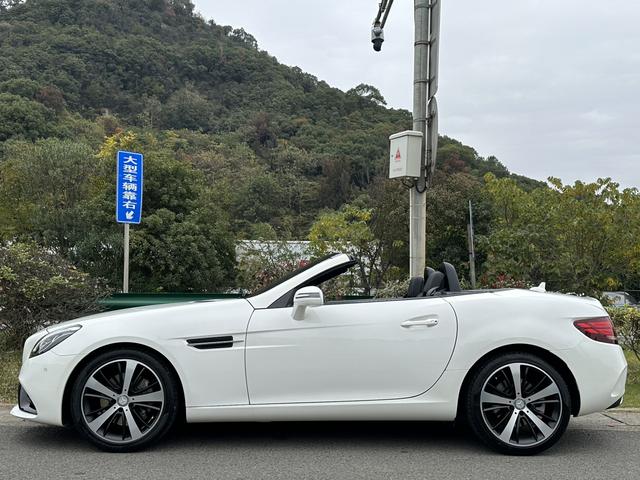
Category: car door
[349,351]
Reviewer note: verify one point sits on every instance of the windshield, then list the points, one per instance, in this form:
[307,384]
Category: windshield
[292,274]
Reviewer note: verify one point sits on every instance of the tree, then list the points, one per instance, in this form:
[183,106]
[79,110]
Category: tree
[368,92]
[195,254]
[184,241]
[23,87]
[43,186]
[20,117]
[578,238]
[51,97]
[181,7]
[447,218]
[39,288]
[241,35]
[186,109]
[263,261]
[390,224]
[7,4]
[349,231]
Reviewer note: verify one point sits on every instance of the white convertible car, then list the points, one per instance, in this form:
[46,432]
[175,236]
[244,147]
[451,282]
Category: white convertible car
[513,364]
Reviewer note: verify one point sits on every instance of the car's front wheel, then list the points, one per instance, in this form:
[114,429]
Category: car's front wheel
[518,404]
[124,400]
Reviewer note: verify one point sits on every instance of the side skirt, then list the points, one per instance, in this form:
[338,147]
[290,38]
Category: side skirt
[439,404]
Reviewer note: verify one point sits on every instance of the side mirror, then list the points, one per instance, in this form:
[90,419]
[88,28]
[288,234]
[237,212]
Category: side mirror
[306,297]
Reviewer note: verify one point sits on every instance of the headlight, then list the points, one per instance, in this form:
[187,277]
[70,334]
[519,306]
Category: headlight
[52,339]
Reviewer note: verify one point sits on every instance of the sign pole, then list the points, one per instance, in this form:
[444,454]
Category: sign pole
[129,181]
[472,250]
[125,280]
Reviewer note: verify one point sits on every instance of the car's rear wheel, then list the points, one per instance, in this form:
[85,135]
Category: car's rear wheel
[518,404]
[124,400]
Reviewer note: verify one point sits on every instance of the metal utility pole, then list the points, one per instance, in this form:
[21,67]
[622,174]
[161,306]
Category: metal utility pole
[425,86]
[425,115]
[472,249]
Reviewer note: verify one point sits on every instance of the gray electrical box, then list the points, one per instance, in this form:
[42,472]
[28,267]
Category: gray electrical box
[405,157]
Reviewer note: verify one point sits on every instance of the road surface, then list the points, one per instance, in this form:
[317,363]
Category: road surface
[594,447]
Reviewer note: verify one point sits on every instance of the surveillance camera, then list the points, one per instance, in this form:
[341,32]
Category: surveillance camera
[377,37]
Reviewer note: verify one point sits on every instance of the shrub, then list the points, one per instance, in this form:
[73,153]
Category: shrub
[502,281]
[627,323]
[38,288]
[263,262]
[393,289]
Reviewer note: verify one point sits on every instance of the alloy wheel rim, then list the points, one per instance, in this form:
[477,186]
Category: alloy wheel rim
[122,401]
[521,404]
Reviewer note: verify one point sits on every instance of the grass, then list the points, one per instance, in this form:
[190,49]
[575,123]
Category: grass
[9,369]
[10,366]
[632,393]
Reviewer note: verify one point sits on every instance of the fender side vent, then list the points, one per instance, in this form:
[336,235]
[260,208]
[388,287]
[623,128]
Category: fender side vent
[211,343]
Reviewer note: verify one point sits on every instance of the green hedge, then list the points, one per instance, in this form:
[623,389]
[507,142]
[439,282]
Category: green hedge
[38,288]
[627,324]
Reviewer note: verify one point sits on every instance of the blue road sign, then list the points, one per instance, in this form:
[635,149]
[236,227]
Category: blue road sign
[129,187]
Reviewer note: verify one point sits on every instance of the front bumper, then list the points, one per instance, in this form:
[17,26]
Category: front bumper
[17,412]
[25,403]
[44,378]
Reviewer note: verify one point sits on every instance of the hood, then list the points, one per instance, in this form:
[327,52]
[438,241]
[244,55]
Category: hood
[133,312]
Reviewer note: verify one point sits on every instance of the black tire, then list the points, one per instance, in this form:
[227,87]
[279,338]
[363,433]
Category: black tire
[152,419]
[523,434]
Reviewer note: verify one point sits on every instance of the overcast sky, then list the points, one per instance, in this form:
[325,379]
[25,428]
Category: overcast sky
[549,87]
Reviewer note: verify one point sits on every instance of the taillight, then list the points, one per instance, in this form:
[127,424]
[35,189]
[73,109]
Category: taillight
[599,329]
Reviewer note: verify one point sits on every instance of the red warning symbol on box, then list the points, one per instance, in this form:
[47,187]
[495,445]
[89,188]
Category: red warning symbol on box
[398,156]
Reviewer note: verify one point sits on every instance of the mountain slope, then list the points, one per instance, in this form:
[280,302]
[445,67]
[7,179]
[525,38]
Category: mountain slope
[155,63]
[237,145]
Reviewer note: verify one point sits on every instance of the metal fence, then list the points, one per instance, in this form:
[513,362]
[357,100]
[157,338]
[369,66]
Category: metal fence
[130,300]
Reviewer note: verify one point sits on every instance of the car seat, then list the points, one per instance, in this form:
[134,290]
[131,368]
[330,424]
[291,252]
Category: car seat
[451,282]
[415,287]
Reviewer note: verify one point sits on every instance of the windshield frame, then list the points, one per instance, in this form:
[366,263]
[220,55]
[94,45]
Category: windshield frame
[291,274]
[286,300]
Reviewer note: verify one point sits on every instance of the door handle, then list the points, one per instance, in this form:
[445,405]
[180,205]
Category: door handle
[424,322]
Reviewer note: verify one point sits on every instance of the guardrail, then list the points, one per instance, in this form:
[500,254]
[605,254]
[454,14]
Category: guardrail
[129,300]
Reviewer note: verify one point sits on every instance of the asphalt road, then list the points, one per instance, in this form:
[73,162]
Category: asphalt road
[594,447]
